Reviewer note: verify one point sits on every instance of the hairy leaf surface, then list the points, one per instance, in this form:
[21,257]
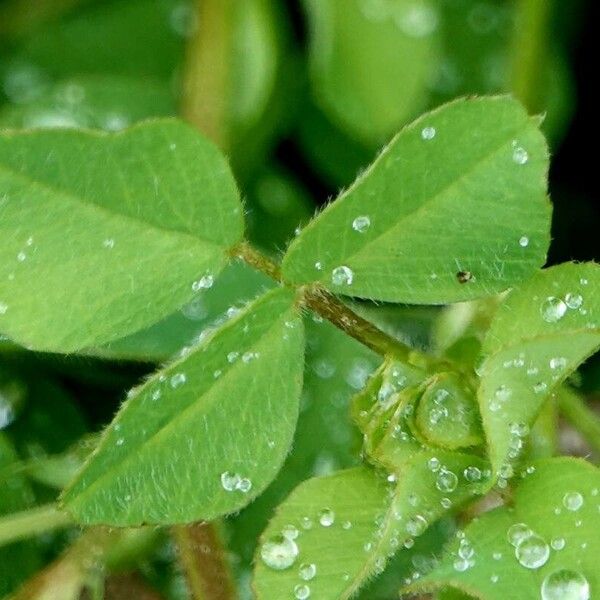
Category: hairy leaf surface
[103,235]
[205,435]
[454,208]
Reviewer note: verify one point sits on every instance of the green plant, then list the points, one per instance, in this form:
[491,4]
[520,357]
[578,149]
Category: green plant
[419,468]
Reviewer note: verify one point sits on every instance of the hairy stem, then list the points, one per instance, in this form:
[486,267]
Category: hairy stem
[530,51]
[328,306]
[574,409]
[28,523]
[206,77]
[203,558]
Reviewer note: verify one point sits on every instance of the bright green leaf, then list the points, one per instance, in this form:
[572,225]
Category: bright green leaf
[454,208]
[104,234]
[231,404]
[351,522]
[557,518]
[370,61]
[541,333]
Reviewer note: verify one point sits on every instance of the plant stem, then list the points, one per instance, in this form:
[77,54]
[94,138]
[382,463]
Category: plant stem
[530,51]
[206,78]
[27,523]
[328,306]
[204,561]
[574,409]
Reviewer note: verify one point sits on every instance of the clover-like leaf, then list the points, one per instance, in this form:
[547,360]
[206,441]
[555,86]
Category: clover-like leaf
[205,435]
[104,234]
[541,333]
[545,547]
[454,208]
[334,532]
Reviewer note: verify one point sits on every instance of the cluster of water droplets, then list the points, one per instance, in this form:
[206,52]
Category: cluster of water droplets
[234,482]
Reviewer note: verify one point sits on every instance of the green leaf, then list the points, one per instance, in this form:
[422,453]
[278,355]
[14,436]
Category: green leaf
[541,333]
[104,234]
[98,102]
[235,285]
[560,532]
[454,208]
[370,61]
[231,404]
[372,519]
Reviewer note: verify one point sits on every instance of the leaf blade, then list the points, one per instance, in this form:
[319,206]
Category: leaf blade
[193,407]
[388,226]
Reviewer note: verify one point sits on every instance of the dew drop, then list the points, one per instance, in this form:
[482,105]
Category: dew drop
[301,592]
[416,525]
[553,309]
[446,481]
[519,155]
[472,474]
[557,543]
[290,532]
[204,283]
[3,308]
[517,533]
[326,517]
[524,241]
[428,133]
[342,276]
[279,553]
[361,223]
[229,481]
[558,362]
[565,585]
[178,380]
[574,301]
[307,571]
[573,501]
[532,552]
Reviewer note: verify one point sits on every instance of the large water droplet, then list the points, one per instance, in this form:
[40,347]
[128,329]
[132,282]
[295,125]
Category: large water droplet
[553,309]
[416,525]
[574,301]
[279,553]
[342,276]
[565,585]
[446,481]
[532,552]
[573,501]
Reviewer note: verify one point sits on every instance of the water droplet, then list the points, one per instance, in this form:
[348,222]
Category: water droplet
[347,525]
[250,356]
[416,20]
[326,517]
[361,223]
[21,257]
[524,241]
[3,308]
[307,571]
[204,283]
[229,481]
[279,553]
[446,481]
[108,243]
[472,474]
[232,356]
[558,362]
[565,585]
[178,380]
[416,525]
[553,309]
[574,301]
[342,276]
[517,533]
[301,592]
[428,133]
[573,501]
[557,543]
[532,552]
[244,485]
[519,155]
[540,387]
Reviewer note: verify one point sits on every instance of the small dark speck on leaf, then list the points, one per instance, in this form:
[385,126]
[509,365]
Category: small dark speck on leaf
[464,276]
